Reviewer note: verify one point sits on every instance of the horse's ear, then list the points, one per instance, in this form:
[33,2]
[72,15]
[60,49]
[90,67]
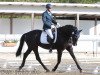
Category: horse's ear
[80,30]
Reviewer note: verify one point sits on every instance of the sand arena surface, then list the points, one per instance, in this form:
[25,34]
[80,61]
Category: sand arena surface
[9,64]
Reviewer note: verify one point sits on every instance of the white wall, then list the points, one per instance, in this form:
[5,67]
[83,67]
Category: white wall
[4,26]
[66,22]
[38,23]
[21,26]
[98,28]
[24,25]
[87,27]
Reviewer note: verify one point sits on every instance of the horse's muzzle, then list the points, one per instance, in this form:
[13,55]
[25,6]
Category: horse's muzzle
[74,44]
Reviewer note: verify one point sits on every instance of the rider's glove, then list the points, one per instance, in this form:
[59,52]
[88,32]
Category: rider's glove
[52,26]
[58,25]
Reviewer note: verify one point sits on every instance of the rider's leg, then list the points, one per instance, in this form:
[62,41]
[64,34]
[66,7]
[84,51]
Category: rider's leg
[49,32]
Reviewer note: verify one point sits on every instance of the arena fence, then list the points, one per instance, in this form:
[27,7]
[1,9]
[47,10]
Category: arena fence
[86,43]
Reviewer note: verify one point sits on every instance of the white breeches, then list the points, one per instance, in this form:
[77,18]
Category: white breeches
[49,32]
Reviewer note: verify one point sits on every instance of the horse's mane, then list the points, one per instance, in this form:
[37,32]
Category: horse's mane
[67,29]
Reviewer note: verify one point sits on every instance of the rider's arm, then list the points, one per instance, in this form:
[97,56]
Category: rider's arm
[54,21]
[44,20]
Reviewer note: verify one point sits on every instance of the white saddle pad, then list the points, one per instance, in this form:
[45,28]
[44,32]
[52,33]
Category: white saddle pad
[43,38]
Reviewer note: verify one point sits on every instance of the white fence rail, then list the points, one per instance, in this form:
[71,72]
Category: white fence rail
[91,42]
[9,37]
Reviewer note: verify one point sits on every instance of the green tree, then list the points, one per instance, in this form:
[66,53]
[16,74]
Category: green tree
[82,1]
[55,1]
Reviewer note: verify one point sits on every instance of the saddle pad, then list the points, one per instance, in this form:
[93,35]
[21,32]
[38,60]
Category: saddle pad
[43,38]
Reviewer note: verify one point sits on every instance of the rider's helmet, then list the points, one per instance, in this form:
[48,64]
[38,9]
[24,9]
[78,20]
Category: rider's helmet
[48,6]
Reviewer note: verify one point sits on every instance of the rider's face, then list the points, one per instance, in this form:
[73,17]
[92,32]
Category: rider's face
[49,9]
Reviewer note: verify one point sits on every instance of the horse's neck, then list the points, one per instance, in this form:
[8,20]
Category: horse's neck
[66,38]
[64,35]
[70,40]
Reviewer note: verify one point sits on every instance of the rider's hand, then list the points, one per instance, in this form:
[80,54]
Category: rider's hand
[58,25]
[52,26]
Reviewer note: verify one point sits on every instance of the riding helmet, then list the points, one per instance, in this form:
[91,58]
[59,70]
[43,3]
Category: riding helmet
[48,6]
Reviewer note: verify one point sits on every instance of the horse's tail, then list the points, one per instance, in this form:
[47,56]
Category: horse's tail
[18,53]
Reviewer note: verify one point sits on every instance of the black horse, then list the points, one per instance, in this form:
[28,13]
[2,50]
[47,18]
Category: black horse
[67,36]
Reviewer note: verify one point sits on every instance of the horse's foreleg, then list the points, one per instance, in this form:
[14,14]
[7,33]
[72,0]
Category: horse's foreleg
[39,60]
[70,50]
[58,60]
[24,58]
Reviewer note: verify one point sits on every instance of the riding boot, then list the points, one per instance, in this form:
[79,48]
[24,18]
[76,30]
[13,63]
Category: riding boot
[51,43]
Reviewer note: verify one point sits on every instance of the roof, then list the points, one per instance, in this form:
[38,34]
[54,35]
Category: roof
[54,12]
[90,9]
[54,4]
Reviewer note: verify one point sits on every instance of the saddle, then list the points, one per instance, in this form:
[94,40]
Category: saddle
[45,38]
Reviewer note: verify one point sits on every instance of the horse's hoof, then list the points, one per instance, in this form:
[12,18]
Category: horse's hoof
[20,68]
[53,70]
[47,70]
[80,70]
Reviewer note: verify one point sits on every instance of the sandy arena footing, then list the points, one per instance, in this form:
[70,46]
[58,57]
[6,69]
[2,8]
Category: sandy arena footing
[9,64]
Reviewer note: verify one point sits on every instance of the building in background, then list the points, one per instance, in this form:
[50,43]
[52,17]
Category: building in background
[21,17]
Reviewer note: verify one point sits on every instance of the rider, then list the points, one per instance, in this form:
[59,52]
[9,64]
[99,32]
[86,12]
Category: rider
[48,24]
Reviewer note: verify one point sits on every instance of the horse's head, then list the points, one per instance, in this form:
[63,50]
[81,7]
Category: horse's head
[70,31]
[75,36]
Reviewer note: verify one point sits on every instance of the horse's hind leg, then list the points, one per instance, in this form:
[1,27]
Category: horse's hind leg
[39,60]
[24,57]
